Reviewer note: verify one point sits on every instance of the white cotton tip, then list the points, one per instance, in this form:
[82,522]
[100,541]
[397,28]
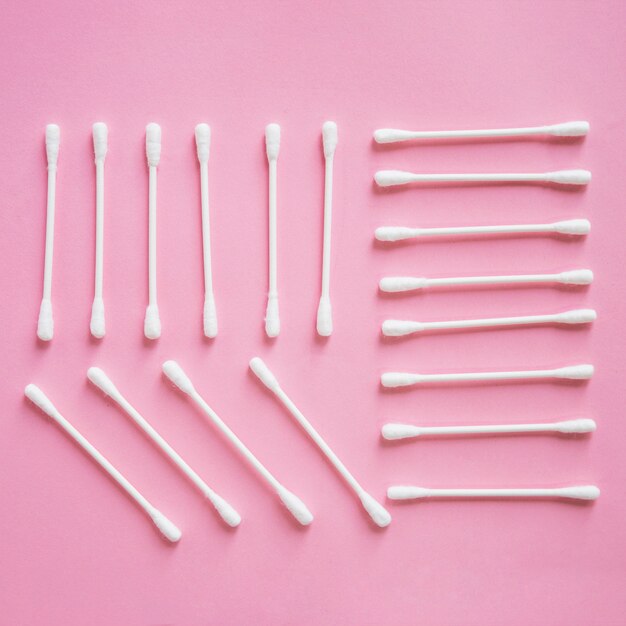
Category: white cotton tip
[272,141]
[329,138]
[53,139]
[272,317]
[569,129]
[295,506]
[96,325]
[392,284]
[569,177]
[576,277]
[575,372]
[100,140]
[45,323]
[581,492]
[387,178]
[394,233]
[400,328]
[226,511]
[324,317]
[573,227]
[102,381]
[577,316]
[203,142]
[210,317]
[153,144]
[40,399]
[375,510]
[176,374]
[399,492]
[168,529]
[576,426]
[392,432]
[264,374]
[152,322]
[397,379]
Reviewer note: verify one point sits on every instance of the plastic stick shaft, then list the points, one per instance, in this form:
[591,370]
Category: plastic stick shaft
[51,205]
[152,237]
[328,214]
[206,227]
[99,227]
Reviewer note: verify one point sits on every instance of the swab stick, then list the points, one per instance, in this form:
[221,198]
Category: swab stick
[399,233]
[272,147]
[152,322]
[167,528]
[566,129]
[400,328]
[582,492]
[103,382]
[294,505]
[389,178]
[324,310]
[203,144]
[375,510]
[45,324]
[394,284]
[572,372]
[100,144]
[393,431]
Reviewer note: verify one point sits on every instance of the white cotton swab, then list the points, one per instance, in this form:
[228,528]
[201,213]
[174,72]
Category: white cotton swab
[401,328]
[45,324]
[272,147]
[152,322]
[293,504]
[375,510]
[576,227]
[393,284]
[393,432]
[104,383]
[324,310]
[572,372]
[165,526]
[582,492]
[203,144]
[100,145]
[390,178]
[566,129]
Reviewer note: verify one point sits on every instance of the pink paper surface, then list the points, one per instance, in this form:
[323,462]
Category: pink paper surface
[74,549]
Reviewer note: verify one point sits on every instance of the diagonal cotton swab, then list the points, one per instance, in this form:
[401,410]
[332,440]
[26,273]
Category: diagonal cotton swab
[393,284]
[203,144]
[566,129]
[45,324]
[294,505]
[394,431]
[272,147]
[152,322]
[389,178]
[375,510]
[582,492]
[100,144]
[400,233]
[324,310]
[401,328]
[572,372]
[103,382]
[167,528]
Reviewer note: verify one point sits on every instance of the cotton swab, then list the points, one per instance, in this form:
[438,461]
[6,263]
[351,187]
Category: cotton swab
[203,144]
[152,322]
[572,372]
[324,310]
[393,284]
[294,505]
[394,431]
[582,492]
[375,510]
[399,233]
[389,178]
[100,144]
[45,324]
[401,328]
[103,382]
[272,147]
[165,526]
[566,129]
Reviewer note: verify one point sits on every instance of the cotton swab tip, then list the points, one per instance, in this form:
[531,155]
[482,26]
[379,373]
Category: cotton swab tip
[375,510]
[400,328]
[102,381]
[295,506]
[97,324]
[580,492]
[153,144]
[394,233]
[168,529]
[399,492]
[576,426]
[176,374]
[575,372]
[152,322]
[392,432]
[272,141]
[53,139]
[100,140]
[40,399]
[226,511]
[576,277]
[203,142]
[570,129]
[577,316]
[397,379]
[45,324]
[393,284]
[329,138]
[387,178]
[210,317]
[569,177]
[324,317]
[573,227]
[263,373]
[272,316]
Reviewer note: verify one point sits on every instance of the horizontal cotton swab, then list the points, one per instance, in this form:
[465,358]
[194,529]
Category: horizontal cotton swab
[389,178]
[165,526]
[394,431]
[103,382]
[294,505]
[393,284]
[566,129]
[582,492]
[400,233]
[375,510]
[400,328]
[572,372]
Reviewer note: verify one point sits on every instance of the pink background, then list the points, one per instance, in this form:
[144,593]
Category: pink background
[74,549]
